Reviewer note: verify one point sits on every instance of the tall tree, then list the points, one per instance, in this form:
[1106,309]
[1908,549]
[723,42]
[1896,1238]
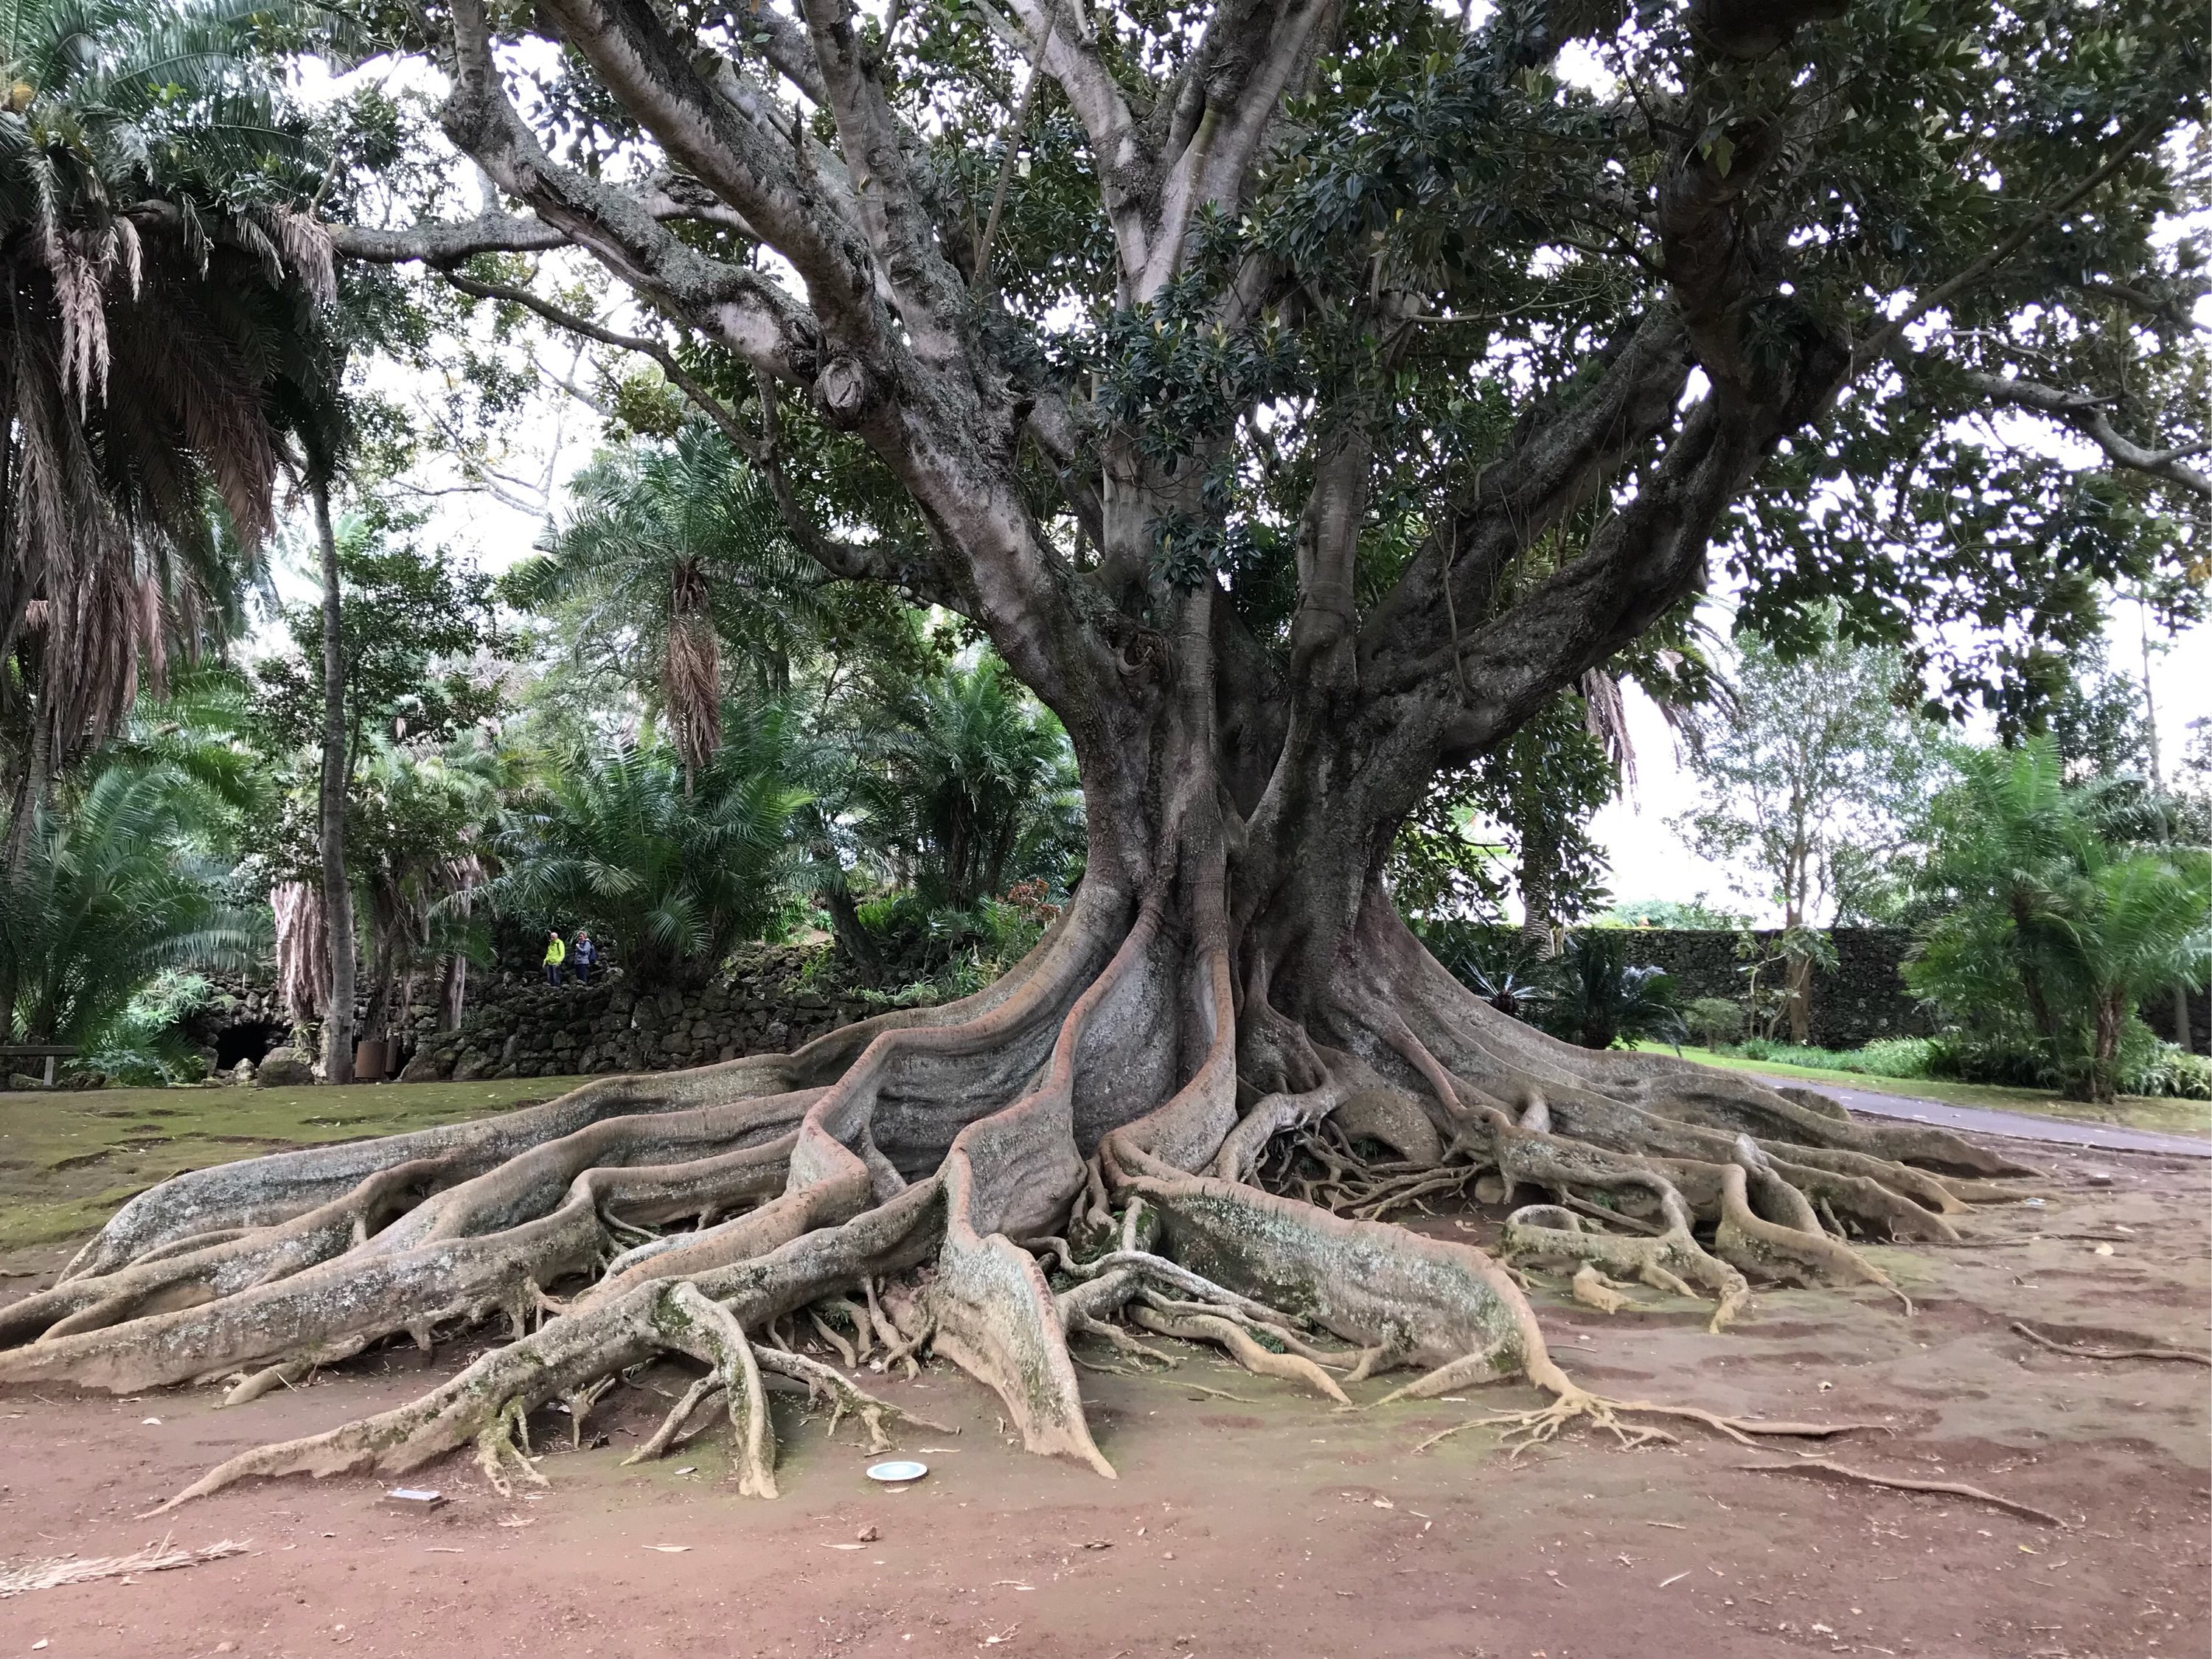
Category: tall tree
[386,652]
[331,796]
[1289,460]
[1814,770]
[670,551]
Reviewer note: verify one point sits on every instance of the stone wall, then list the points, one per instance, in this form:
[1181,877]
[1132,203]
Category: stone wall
[773,999]
[1861,999]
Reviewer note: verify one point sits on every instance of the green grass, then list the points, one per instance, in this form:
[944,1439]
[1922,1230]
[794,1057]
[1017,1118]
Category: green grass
[2167,1116]
[68,1159]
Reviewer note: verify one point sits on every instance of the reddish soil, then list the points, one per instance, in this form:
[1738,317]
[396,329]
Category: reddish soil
[1277,1526]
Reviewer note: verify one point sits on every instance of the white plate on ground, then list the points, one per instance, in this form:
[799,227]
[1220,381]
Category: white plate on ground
[897,1472]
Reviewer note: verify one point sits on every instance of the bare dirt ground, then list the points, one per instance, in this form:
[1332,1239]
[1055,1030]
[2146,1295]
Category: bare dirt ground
[1266,1525]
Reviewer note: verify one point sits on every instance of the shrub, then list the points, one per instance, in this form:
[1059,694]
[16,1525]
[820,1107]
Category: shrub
[1884,1057]
[1598,998]
[1716,1022]
[1896,1056]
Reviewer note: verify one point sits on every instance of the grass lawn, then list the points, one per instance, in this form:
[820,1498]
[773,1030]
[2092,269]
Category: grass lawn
[2168,1116]
[68,1159]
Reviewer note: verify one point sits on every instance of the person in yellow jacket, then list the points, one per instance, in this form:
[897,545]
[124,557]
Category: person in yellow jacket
[555,954]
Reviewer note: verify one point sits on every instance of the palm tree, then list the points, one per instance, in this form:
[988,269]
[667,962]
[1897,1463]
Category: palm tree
[670,879]
[1596,997]
[673,550]
[968,785]
[2056,912]
[419,828]
[160,342]
[115,887]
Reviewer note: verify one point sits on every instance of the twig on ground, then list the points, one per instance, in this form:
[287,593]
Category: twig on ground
[1821,1469]
[2043,1342]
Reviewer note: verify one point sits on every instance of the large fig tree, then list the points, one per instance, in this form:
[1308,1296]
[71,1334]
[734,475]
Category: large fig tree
[1301,394]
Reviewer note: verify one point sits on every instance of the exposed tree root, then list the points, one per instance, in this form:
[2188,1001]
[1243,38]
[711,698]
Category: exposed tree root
[1121,1139]
[2074,1351]
[1820,1469]
[1247,1351]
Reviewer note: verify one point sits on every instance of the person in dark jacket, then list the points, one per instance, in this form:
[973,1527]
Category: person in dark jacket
[584,955]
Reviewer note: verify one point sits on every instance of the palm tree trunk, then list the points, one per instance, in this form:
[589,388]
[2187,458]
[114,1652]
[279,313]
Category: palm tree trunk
[30,795]
[338,895]
[2104,1083]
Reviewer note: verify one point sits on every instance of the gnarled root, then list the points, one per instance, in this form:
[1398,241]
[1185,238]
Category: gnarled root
[707,1330]
[1672,1262]
[946,1144]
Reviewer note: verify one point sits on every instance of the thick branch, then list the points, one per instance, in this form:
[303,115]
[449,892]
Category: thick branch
[1409,638]
[643,64]
[931,299]
[442,242]
[2088,416]
[437,242]
[736,307]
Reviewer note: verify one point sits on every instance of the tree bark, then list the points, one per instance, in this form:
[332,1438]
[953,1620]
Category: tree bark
[338,892]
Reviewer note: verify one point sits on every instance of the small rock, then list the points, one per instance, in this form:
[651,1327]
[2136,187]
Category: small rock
[868,1534]
[2099,1177]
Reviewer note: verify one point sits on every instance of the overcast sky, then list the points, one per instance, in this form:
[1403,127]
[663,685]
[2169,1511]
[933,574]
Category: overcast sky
[1649,861]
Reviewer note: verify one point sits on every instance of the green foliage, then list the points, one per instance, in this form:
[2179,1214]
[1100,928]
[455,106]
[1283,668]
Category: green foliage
[965,786]
[674,551]
[113,888]
[1776,966]
[1896,1057]
[145,1045]
[1519,818]
[1501,965]
[1697,915]
[1716,1022]
[1592,992]
[2011,1052]
[668,882]
[2055,923]
[162,342]
[1601,999]
[1813,771]
[412,622]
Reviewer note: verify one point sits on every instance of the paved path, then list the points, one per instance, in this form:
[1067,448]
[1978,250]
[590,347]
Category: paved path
[2018,1126]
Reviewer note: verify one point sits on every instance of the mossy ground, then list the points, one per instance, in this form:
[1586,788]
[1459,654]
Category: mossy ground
[2167,1116]
[68,1159]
